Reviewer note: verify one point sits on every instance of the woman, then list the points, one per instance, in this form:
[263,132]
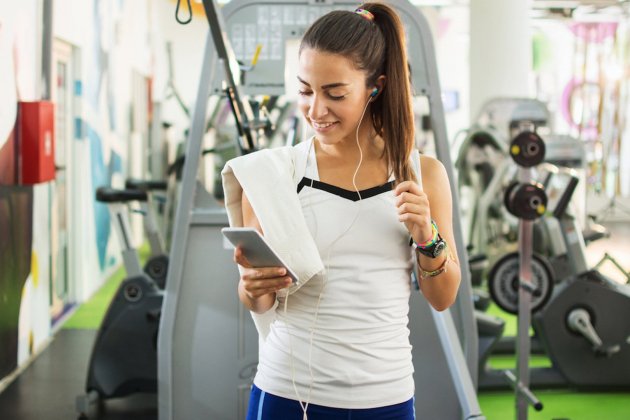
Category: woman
[339,344]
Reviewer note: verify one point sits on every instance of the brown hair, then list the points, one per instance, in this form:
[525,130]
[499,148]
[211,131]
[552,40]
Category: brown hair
[378,47]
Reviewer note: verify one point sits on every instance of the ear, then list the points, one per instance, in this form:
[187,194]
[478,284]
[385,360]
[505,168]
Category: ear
[378,86]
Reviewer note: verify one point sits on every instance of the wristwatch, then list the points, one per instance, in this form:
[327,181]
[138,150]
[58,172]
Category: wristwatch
[433,250]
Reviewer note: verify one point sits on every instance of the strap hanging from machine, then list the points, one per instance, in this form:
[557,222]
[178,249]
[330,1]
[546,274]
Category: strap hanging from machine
[183,22]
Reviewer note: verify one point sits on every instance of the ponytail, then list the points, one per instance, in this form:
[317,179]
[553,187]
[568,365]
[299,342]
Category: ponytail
[392,115]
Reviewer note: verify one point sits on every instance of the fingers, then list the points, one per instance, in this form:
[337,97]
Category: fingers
[413,209]
[415,216]
[258,272]
[260,281]
[408,210]
[263,273]
[420,199]
[409,191]
[408,186]
[412,201]
[240,258]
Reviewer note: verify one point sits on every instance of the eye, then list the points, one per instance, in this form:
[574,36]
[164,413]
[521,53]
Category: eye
[336,98]
[304,92]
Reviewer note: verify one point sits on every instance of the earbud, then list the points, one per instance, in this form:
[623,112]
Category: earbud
[374,92]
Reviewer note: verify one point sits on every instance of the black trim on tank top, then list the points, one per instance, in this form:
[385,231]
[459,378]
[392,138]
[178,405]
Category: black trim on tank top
[341,192]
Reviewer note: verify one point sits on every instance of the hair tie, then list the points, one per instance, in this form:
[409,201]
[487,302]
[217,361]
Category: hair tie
[365,14]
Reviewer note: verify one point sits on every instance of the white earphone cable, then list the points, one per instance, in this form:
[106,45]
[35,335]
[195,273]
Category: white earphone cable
[354,177]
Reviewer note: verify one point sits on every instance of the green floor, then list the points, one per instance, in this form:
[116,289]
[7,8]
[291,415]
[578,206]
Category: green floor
[89,315]
[558,404]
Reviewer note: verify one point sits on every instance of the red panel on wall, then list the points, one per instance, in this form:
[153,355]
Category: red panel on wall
[36,142]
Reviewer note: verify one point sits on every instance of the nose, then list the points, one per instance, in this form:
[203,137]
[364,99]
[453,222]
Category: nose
[317,108]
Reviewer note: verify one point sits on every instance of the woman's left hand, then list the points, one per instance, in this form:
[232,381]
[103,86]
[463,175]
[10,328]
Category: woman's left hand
[413,210]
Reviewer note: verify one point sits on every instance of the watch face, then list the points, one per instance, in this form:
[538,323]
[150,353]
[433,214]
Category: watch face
[434,250]
[439,247]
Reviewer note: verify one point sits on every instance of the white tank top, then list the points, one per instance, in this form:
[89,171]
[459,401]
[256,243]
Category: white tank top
[344,336]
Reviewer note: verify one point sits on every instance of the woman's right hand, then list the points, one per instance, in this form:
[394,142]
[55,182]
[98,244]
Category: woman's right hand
[260,281]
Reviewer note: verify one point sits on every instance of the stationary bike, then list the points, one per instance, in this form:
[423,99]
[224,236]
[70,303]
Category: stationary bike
[584,327]
[156,265]
[124,356]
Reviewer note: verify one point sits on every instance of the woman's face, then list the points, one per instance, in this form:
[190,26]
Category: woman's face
[332,95]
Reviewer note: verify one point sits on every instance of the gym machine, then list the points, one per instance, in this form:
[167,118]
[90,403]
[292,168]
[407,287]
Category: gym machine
[482,166]
[208,344]
[124,355]
[579,326]
[582,327]
[484,170]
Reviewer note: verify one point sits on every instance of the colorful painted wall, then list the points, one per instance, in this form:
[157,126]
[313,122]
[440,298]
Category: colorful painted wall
[17,82]
[102,65]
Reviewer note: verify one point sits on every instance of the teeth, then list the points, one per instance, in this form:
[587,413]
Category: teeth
[321,125]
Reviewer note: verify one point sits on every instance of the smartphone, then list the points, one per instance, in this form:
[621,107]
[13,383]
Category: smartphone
[257,251]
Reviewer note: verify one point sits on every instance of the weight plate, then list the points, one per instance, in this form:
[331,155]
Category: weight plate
[527,149]
[526,201]
[503,281]
[507,195]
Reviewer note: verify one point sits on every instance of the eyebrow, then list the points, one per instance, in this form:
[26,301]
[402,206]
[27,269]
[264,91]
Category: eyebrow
[328,86]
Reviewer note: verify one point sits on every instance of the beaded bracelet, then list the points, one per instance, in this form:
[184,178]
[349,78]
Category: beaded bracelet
[434,236]
[424,274]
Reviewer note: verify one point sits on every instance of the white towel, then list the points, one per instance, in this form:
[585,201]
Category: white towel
[269,179]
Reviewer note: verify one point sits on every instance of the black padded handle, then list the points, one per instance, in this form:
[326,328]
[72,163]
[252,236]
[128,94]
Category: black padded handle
[112,195]
[565,199]
[145,185]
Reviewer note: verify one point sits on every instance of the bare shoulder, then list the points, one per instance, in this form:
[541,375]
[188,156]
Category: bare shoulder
[434,174]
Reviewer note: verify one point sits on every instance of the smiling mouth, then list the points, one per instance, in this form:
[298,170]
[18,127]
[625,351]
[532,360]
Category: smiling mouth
[321,125]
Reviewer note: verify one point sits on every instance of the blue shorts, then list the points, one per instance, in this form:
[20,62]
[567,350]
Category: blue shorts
[264,406]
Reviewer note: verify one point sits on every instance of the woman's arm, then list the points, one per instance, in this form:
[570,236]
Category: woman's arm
[257,287]
[416,208]
[441,290]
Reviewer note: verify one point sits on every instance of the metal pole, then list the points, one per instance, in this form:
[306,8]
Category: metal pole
[523,395]
[181,227]
[524,314]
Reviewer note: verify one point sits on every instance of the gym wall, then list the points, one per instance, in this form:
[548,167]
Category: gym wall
[20,251]
[56,243]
